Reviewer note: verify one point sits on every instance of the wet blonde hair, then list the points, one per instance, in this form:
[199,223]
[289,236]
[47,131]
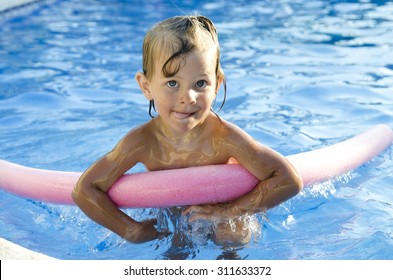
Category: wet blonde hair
[175,37]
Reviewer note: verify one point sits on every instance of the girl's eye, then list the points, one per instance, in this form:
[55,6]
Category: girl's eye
[201,84]
[172,84]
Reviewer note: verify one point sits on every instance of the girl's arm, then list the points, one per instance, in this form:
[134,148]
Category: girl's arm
[279,180]
[90,194]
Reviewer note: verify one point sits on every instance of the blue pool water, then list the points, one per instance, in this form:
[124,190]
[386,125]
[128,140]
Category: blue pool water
[301,75]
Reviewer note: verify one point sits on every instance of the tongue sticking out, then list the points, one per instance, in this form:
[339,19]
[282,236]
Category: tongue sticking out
[181,115]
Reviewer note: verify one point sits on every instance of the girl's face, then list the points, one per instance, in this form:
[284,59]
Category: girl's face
[183,101]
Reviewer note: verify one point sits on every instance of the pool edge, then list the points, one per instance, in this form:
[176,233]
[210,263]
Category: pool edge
[13,251]
[11,4]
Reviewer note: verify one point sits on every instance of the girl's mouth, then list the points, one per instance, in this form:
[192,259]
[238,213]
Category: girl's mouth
[182,115]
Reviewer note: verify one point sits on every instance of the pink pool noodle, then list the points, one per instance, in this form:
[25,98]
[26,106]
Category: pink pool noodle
[196,185]
[331,161]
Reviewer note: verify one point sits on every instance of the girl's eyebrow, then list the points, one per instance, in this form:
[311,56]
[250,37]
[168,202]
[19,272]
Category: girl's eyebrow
[203,75]
[180,76]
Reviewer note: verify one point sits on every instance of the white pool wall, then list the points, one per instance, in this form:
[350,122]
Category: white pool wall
[10,4]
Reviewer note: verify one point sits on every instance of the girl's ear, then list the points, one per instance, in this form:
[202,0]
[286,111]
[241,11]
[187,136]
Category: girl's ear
[144,84]
[220,80]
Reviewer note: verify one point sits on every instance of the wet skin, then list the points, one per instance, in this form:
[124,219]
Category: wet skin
[186,133]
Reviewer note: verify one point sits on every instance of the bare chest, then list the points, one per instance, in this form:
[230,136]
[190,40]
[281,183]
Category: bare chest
[168,155]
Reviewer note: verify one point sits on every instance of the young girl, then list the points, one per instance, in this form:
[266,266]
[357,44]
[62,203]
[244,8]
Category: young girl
[181,77]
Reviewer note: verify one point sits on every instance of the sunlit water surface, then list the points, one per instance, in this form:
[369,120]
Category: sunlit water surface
[301,75]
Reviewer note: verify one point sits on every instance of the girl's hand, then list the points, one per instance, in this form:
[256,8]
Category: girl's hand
[145,231]
[211,212]
[229,228]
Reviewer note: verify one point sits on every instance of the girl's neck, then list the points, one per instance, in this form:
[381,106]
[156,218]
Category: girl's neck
[181,138]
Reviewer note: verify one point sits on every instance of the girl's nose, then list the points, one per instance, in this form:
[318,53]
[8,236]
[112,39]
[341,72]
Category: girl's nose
[188,97]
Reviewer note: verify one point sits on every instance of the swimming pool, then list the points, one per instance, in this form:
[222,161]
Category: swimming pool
[301,75]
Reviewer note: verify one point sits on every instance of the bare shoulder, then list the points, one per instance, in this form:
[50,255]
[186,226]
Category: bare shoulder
[251,153]
[136,141]
[235,135]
